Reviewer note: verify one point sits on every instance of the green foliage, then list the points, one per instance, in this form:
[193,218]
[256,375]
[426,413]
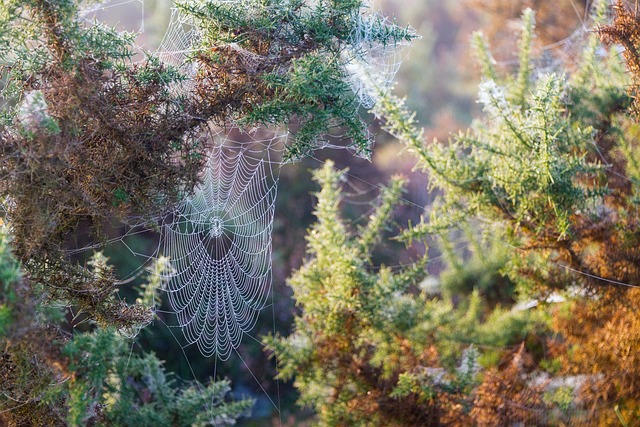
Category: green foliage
[528,161]
[365,350]
[135,390]
[562,396]
[149,293]
[483,270]
[9,276]
[535,162]
[295,52]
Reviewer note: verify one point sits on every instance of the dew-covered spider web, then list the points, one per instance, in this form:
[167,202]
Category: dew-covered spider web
[219,243]
[372,66]
[219,238]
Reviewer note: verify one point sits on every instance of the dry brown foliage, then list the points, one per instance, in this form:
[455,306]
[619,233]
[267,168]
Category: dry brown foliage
[26,371]
[114,155]
[352,363]
[602,339]
[506,395]
[600,334]
[625,30]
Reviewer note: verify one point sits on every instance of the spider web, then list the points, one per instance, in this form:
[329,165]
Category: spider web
[219,244]
[372,66]
[219,238]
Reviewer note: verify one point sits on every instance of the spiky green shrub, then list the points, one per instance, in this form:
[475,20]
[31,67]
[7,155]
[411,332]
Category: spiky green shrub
[541,161]
[366,349]
[51,378]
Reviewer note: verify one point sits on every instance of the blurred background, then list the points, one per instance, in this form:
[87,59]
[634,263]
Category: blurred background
[439,78]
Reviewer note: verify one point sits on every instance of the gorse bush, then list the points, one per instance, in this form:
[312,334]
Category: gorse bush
[366,350]
[552,162]
[51,378]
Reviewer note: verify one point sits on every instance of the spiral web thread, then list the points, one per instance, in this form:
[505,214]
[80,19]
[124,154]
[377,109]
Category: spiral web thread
[219,241]
[177,44]
[219,238]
